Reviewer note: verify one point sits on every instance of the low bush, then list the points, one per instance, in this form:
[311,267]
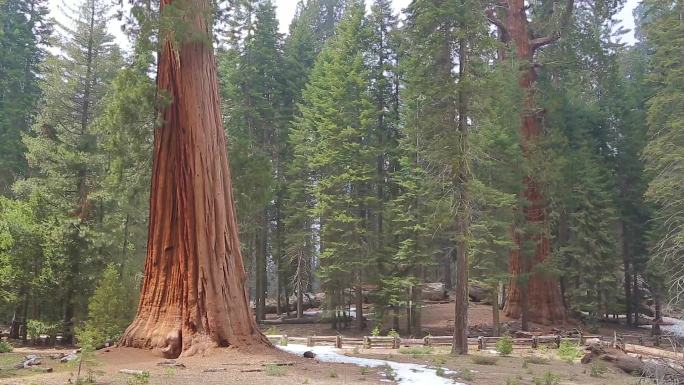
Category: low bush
[274,370]
[598,369]
[568,351]
[549,378]
[484,360]
[416,350]
[5,347]
[504,346]
[536,360]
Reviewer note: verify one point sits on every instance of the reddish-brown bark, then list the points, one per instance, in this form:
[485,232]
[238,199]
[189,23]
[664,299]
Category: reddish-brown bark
[539,294]
[194,294]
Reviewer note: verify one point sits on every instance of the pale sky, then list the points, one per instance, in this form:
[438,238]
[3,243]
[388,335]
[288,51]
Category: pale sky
[285,10]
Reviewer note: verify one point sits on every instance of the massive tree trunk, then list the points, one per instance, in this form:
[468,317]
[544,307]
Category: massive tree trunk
[531,291]
[194,293]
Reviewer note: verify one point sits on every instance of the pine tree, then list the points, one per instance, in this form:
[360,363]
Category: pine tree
[338,114]
[439,113]
[252,89]
[62,153]
[124,130]
[24,30]
[383,67]
[664,152]
[311,27]
[110,310]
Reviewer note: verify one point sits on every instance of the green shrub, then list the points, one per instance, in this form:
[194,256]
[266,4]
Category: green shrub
[568,351]
[467,375]
[376,331]
[34,328]
[274,370]
[598,369]
[439,360]
[390,374]
[535,360]
[139,379]
[272,331]
[5,347]
[365,370]
[504,346]
[512,381]
[416,350]
[110,310]
[484,360]
[440,371]
[392,333]
[549,378]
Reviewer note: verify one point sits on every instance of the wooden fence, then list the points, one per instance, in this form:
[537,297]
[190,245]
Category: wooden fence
[482,342]
[369,342]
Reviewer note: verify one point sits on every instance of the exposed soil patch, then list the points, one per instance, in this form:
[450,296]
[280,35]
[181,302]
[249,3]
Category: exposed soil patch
[511,370]
[232,366]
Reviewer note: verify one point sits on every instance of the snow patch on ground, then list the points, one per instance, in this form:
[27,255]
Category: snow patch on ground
[405,374]
[676,328]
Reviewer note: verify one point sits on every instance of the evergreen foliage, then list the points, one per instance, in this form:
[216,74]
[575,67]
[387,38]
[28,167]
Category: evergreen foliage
[110,309]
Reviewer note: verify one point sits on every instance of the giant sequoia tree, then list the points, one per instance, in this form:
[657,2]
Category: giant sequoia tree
[533,293]
[193,295]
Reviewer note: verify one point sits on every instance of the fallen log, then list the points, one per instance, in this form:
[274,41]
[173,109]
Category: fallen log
[213,370]
[616,357]
[133,372]
[654,352]
[251,370]
[278,364]
[171,363]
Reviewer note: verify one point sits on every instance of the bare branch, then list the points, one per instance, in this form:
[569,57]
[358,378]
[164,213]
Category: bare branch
[555,35]
[494,20]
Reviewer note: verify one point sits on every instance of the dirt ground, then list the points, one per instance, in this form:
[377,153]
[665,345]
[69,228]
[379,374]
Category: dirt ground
[437,320]
[103,368]
[509,370]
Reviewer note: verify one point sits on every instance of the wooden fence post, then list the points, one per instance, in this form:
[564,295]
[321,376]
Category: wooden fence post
[656,342]
[396,342]
[309,342]
[581,339]
[558,340]
[535,342]
[338,342]
[366,342]
[480,343]
[427,341]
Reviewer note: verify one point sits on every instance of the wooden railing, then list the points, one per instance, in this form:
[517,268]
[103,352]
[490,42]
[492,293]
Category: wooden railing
[391,342]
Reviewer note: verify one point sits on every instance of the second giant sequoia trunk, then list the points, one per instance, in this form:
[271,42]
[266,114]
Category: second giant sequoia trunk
[531,291]
[194,293]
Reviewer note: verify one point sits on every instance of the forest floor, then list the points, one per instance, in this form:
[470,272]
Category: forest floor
[103,366]
[437,319]
[103,369]
[523,367]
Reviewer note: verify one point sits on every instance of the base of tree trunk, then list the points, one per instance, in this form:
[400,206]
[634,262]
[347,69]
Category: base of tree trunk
[544,299]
